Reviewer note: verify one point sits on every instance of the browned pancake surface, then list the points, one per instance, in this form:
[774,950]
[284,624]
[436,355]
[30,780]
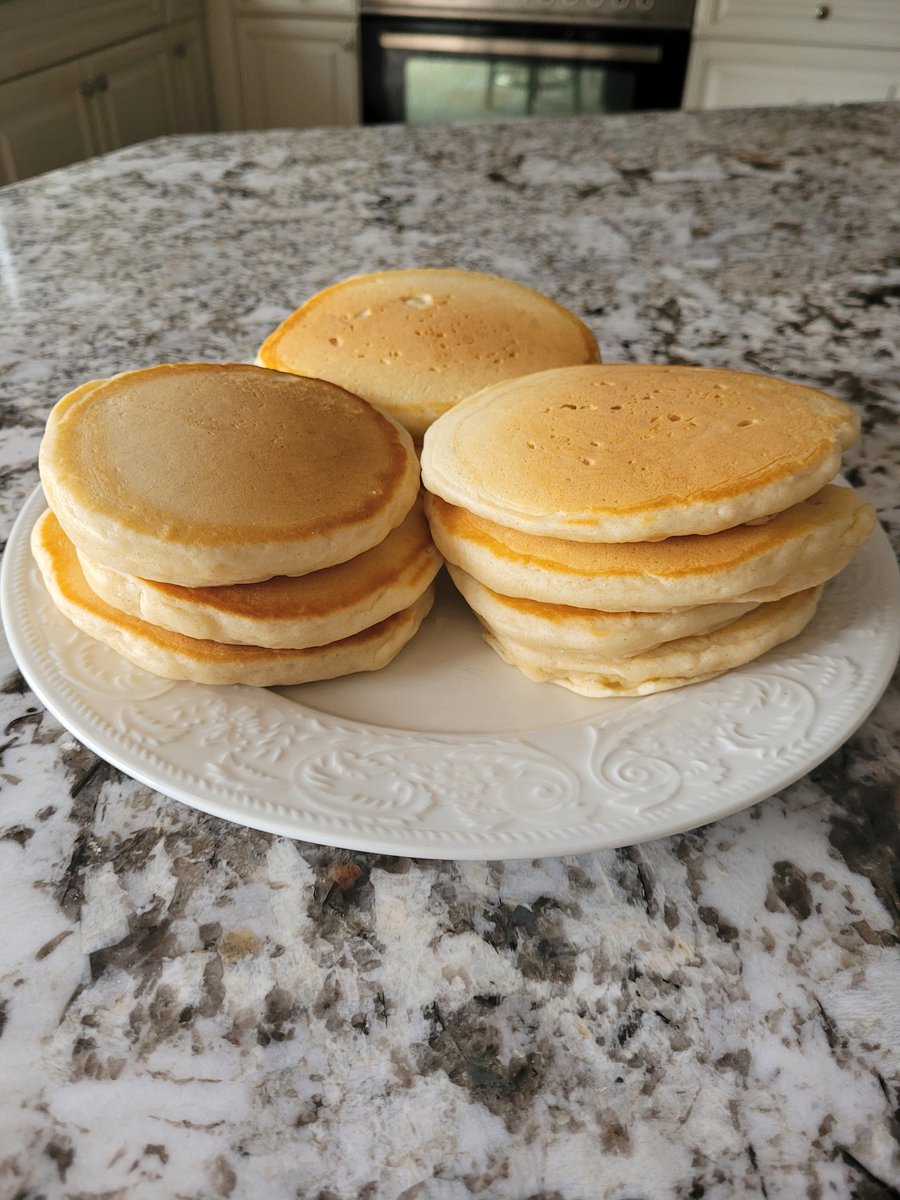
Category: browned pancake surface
[623,452]
[416,341]
[202,474]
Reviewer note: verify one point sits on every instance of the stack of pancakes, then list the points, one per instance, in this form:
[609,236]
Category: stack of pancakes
[228,524]
[624,529]
[415,342]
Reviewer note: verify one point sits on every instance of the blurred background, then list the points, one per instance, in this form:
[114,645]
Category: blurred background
[81,77]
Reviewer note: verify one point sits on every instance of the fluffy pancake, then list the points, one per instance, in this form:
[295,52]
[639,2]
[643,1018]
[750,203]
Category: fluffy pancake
[799,548]
[202,474]
[629,453]
[672,665]
[414,342]
[561,629]
[175,656]
[286,612]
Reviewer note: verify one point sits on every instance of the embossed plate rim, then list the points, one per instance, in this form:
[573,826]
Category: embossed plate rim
[573,788]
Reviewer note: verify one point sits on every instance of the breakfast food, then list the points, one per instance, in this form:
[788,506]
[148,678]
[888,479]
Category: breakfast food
[803,546]
[415,342]
[202,474]
[618,529]
[563,628]
[286,612]
[671,664]
[624,529]
[628,453]
[174,656]
[229,524]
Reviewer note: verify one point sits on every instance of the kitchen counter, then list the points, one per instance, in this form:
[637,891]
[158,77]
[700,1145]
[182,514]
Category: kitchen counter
[193,1009]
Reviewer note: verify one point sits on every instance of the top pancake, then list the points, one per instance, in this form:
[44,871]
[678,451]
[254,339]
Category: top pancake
[201,474]
[631,453]
[415,342]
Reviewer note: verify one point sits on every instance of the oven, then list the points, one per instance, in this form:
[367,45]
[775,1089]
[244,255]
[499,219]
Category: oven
[426,60]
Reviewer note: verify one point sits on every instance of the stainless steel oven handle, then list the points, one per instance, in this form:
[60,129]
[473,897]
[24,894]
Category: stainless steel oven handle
[522,48]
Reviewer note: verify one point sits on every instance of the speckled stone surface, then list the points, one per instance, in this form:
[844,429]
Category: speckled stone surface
[189,1009]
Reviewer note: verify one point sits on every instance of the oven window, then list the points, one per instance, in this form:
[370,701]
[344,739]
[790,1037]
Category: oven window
[417,70]
[473,88]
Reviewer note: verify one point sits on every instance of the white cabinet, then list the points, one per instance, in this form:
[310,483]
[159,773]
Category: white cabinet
[44,123]
[739,74]
[297,72]
[874,23]
[39,33]
[130,90]
[99,102]
[775,52]
[284,63]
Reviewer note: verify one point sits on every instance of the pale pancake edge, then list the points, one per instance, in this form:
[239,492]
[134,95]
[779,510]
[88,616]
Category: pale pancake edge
[674,664]
[803,546]
[561,628]
[286,612]
[174,656]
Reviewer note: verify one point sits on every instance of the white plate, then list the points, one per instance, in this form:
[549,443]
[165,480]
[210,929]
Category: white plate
[448,752]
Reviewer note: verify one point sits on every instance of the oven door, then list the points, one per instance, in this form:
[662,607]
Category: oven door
[419,70]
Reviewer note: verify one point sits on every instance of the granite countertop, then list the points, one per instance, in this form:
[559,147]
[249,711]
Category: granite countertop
[192,1009]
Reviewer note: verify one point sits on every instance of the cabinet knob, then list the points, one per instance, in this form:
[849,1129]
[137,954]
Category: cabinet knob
[179,50]
[87,89]
[823,12]
[101,83]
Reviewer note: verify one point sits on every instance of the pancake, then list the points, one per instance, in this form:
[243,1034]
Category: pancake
[628,453]
[799,548]
[286,612]
[560,629]
[202,474]
[415,342]
[175,656]
[672,665]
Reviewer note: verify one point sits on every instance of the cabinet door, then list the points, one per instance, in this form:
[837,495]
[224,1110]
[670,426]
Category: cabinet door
[132,91]
[874,23]
[191,91]
[739,74]
[297,72]
[35,34]
[44,123]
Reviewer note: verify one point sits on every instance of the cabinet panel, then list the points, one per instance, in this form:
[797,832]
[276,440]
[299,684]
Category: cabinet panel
[38,33]
[297,72]
[44,123]
[133,91]
[191,92]
[736,74]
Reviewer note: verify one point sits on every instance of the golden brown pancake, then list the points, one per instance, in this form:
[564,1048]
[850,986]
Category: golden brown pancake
[633,453]
[799,548]
[201,474]
[287,612]
[414,342]
[562,629]
[175,656]
[671,665]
